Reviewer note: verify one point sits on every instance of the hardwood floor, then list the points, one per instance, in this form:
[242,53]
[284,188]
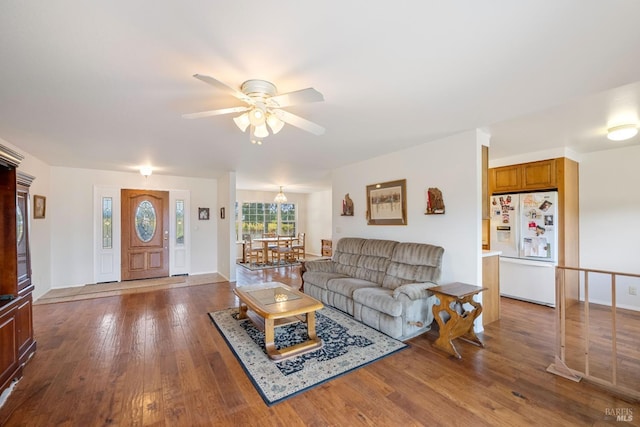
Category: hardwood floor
[155,358]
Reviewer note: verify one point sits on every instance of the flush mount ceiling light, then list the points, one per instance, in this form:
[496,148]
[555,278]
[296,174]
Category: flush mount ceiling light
[622,132]
[280,197]
[264,110]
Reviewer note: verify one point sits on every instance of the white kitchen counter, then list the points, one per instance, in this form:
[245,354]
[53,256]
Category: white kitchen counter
[487,253]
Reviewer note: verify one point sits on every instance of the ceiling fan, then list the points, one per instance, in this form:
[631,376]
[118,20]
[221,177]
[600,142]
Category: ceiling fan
[264,107]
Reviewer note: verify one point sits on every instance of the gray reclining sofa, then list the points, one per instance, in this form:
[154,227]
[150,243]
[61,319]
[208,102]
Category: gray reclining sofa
[382,283]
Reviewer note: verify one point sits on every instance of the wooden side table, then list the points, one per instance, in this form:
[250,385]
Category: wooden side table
[460,323]
[327,247]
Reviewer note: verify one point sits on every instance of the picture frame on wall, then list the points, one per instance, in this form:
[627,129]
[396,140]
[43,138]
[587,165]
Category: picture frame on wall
[39,206]
[203,214]
[387,203]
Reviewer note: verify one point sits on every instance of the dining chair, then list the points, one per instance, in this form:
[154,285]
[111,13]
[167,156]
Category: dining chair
[254,252]
[298,247]
[281,249]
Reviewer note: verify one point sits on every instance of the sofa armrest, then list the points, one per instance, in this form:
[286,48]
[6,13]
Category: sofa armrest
[324,265]
[414,291]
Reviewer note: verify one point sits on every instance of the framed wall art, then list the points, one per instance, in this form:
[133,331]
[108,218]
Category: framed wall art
[39,206]
[203,214]
[435,201]
[387,203]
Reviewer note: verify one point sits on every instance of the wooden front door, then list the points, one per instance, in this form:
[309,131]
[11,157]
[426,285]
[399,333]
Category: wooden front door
[145,234]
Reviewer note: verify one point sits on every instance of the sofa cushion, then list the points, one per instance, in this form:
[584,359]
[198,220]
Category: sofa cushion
[346,255]
[413,263]
[375,256]
[346,286]
[379,299]
[414,291]
[321,278]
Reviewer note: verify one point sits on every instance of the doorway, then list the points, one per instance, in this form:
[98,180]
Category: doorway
[145,234]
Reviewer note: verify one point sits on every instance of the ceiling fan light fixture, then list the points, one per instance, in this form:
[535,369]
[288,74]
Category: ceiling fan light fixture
[274,123]
[257,115]
[261,131]
[622,132]
[280,197]
[242,121]
[262,113]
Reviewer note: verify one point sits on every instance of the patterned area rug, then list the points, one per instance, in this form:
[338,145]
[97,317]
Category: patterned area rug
[254,266]
[347,345]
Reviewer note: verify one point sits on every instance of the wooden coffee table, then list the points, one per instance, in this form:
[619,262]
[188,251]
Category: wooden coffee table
[274,304]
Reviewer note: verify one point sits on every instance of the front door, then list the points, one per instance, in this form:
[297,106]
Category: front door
[145,234]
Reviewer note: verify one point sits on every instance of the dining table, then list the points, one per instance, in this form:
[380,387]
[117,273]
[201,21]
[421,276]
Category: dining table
[266,240]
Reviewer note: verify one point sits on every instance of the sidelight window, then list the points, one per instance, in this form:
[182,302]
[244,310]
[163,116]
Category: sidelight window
[180,222]
[107,223]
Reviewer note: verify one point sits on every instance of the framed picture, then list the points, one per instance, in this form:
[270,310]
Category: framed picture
[387,203]
[203,214]
[39,206]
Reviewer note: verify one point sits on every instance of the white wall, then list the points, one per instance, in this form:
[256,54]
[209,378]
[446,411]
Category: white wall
[319,216]
[453,165]
[226,226]
[70,208]
[610,218]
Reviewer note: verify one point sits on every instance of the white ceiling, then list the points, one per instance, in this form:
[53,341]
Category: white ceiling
[103,84]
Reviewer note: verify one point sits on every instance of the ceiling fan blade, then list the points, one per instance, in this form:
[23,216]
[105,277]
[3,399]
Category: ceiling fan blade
[301,96]
[299,122]
[223,87]
[216,112]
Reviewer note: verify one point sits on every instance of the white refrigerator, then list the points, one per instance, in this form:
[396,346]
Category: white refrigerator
[524,229]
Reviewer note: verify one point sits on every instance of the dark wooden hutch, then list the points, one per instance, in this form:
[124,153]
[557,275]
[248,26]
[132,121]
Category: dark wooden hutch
[17,344]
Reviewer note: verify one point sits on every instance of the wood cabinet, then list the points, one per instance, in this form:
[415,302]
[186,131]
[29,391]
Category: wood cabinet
[326,247]
[491,281]
[505,178]
[532,176]
[539,175]
[24,324]
[485,182]
[17,342]
[8,349]
[485,197]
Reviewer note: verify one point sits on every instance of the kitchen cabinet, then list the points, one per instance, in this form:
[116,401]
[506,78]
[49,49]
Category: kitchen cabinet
[505,178]
[541,175]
